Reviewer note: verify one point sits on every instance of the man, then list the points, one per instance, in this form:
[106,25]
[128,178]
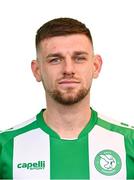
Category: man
[67,140]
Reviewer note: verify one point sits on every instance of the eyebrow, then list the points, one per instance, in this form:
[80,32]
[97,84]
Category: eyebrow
[75,53]
[80,53]
[54,55]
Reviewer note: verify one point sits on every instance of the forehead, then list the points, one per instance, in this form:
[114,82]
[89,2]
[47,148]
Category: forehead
[69,43]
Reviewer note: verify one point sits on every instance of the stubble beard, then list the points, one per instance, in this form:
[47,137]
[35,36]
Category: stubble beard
[69,97]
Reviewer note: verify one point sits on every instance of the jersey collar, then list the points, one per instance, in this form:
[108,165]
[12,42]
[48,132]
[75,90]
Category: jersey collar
[52,133]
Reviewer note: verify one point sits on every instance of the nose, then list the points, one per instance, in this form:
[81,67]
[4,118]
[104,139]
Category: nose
[68,67]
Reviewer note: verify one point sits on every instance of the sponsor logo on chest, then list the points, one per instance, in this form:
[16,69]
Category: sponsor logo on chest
[40,165]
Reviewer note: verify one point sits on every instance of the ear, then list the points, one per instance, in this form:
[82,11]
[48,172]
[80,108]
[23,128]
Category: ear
[36,70]
[97,63]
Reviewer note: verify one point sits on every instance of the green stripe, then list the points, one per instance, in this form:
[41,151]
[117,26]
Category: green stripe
[7,160]
[69,158]
[129,143]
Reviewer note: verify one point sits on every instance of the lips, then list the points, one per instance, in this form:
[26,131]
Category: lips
[66,81]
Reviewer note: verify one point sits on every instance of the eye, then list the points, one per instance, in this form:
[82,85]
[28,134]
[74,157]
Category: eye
[55,60]
[80,59]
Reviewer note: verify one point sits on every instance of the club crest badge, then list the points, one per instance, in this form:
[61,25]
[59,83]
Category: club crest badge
[108,162]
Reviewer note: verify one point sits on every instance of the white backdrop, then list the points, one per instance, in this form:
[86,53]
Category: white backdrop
[112,26]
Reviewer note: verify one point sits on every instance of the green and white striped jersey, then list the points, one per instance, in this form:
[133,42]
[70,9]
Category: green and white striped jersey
[103,150]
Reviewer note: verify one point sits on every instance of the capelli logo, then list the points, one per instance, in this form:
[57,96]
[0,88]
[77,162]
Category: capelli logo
[40,165]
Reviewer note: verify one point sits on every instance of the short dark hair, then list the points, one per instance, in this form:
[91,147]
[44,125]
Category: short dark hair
[61,27]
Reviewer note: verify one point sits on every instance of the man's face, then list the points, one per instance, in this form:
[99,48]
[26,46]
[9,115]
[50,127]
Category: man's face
[66,66]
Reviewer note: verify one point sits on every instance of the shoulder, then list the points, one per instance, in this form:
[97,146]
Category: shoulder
[9,134]
[115,126]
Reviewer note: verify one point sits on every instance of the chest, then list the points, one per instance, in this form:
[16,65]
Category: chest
[94,156]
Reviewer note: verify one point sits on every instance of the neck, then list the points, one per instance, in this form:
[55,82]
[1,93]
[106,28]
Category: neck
[67,120]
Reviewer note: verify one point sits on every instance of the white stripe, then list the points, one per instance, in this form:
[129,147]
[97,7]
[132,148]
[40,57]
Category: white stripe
[23,124]
[101,139]
[31,147]
[115,122]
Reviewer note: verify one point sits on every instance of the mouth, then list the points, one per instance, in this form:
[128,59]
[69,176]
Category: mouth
[68,83]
